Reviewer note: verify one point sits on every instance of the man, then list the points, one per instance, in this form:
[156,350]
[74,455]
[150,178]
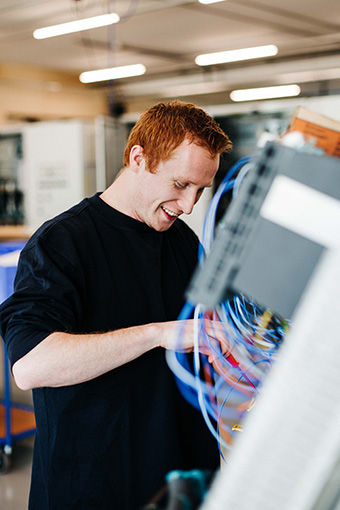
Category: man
[97,293]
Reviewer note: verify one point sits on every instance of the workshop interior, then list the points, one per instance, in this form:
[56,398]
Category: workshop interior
[268,267]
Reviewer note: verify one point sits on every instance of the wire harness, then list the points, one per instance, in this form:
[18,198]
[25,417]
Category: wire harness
[235,344]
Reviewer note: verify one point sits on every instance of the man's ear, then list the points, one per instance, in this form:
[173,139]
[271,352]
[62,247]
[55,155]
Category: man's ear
[137,161]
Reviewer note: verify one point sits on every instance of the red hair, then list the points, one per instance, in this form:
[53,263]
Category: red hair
[162,128]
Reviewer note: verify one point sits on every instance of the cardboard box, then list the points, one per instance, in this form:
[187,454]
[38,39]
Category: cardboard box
[318,129]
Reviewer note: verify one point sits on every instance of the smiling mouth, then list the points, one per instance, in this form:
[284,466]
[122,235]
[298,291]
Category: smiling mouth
[169,213]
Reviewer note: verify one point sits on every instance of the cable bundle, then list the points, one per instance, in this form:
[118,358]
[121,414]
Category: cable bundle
[234,344]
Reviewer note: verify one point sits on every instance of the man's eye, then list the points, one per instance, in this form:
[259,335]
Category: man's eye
[180,185]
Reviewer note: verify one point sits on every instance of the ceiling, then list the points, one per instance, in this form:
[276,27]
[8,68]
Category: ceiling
[166,36]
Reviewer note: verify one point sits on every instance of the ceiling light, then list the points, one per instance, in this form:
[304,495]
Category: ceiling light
[113,73]
[76,26]
[265,93]
[210,1]
[222,57]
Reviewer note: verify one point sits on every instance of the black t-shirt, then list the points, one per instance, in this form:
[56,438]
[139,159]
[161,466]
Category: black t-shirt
[109,442]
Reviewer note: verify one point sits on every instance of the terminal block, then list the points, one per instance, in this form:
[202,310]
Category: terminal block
[251,255]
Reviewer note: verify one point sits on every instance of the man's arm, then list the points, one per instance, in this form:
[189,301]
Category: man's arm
[63,359]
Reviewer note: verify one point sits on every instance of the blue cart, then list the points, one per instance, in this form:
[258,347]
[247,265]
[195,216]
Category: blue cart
[16,420]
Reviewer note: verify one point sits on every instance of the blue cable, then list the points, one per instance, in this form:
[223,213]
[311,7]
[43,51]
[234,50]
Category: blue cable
[241,320]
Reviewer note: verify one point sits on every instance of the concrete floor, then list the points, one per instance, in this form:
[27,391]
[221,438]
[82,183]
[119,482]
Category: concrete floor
[14,485]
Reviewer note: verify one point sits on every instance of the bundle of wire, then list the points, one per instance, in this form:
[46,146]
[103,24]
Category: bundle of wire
[234,344]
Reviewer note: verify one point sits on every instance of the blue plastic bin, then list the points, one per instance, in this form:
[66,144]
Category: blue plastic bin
[7,273]
[16,420]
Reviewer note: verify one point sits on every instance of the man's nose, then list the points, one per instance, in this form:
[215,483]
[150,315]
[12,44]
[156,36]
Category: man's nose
[187,202]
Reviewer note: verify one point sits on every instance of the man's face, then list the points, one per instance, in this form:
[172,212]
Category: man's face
[175,186]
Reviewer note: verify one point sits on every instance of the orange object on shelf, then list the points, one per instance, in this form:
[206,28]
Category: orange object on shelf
[22,421]
[319,129]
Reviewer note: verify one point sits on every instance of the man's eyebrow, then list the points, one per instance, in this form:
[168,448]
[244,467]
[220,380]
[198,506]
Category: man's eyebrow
[186,181]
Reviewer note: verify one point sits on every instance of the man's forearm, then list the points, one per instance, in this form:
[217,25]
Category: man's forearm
[64,359]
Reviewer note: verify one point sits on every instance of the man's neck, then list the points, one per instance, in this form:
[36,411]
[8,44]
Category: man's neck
[119,194]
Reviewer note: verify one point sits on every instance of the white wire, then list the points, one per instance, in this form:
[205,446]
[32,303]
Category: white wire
[198,381]
[239,178]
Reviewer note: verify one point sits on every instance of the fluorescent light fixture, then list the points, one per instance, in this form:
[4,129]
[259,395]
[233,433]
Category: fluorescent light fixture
[112,73]
[76,26]
[222,57]
[265,93]
[206,2]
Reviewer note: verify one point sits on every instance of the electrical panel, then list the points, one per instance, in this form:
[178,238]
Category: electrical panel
[250,253]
